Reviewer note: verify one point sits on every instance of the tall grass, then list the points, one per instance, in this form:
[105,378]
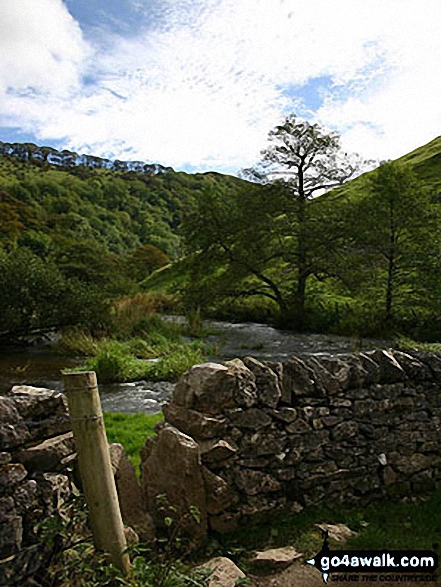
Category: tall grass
[141,344]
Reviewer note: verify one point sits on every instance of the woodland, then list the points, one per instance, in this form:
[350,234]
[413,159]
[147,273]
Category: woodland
[303,240]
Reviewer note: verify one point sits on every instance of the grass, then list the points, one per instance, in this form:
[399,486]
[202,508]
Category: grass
[131,430]
[141,343]
[393,525]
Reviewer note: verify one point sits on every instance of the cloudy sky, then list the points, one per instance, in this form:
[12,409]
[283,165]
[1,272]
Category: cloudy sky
[197,84]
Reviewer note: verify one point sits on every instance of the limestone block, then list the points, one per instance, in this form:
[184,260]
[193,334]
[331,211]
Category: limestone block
[129,494]
[298,380]
[10,475]
[267,382]
[173,469]
[48,455]
[245,390]
[224,573]
[197,425]
[220,495]
[254,482]
[13,431]
[275,559]
[252,418]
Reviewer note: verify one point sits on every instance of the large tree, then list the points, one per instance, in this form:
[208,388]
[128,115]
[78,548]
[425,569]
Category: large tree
[307,161]
[394,242]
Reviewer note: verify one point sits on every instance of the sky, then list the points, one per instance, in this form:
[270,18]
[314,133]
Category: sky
[198,84]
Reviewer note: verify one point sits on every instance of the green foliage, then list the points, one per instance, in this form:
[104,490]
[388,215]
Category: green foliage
[74,562]
[37,296]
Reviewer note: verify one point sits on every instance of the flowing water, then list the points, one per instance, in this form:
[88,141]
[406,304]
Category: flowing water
[41,366]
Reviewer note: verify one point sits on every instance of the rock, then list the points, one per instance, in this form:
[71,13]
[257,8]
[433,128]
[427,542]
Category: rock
[325,382]
[245,391]
[252,418]
[299,427]
[261,443]
[344,430]
[11,536]
[192,423]
[49,454]
[254,482]
[224,573]
[5,458]
[389,476]
[340,370]
[413,463]
[10,475]
[55,490]
[196,388]
[13,431]
[298,379]
[129,494]
[216,451]
[371,369]
[275,559]
[390,370]
[267,382]
[225,523]
[220,495]
[338,532]
[284,414]
[173,468]
[413,368]
[44,411]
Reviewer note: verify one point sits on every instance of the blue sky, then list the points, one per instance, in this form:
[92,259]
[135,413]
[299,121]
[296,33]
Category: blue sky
[198,84]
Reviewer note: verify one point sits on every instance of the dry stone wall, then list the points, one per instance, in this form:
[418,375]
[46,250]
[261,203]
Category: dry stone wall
[37,478]
[247,438]
[36,452]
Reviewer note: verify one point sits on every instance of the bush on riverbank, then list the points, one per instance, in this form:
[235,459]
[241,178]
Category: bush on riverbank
[140,344]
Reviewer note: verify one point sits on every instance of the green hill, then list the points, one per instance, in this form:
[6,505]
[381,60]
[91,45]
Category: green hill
[73,236]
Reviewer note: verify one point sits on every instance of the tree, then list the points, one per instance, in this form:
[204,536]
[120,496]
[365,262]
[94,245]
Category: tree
[307,161]
[395,242]
[235,246]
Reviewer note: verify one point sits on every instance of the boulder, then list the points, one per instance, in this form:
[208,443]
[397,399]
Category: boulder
[13,431]
[253,482]
[173,469]
[196,387]
[275,559]
[245,390]
[267,382]
[192,423]
[338,532]
[224,573]
[129,494]
[390,370]
[220,495]
[49,454]
[252,418]
[298,379]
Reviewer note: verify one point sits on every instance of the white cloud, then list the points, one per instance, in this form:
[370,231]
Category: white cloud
[206,86]
[41,46]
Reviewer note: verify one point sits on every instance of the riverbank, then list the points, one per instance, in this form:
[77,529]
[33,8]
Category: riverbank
[41,365]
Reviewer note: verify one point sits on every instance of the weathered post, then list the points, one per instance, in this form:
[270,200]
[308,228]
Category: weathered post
[95,468]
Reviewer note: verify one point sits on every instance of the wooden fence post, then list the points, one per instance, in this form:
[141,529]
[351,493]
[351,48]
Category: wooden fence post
[95,466]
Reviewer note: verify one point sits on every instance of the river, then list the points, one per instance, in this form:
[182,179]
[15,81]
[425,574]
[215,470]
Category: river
[41,366]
